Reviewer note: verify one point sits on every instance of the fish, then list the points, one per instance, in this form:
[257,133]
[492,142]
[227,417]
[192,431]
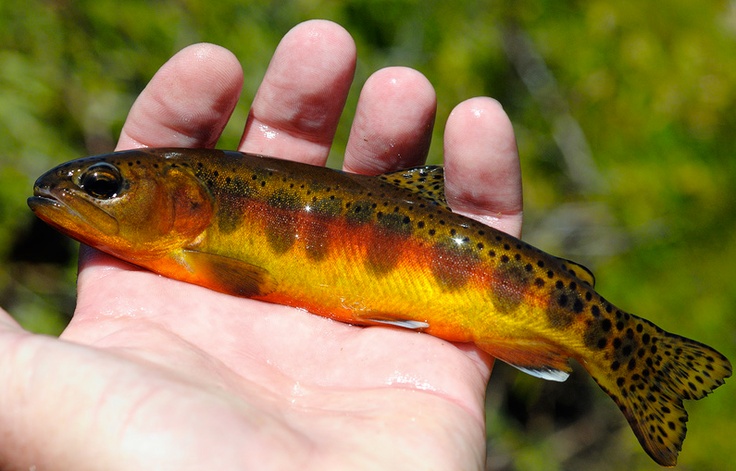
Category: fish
[383,250]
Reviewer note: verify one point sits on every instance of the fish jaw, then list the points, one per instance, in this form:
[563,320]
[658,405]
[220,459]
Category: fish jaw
[66,210]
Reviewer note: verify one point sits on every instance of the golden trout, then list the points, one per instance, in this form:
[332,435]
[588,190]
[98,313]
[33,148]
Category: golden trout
[383,250]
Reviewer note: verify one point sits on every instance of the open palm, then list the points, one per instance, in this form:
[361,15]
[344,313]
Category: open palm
[157,374]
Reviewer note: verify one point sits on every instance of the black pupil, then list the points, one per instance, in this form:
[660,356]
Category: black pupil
[102,181]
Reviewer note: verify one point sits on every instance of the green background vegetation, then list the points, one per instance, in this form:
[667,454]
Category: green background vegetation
[624,113]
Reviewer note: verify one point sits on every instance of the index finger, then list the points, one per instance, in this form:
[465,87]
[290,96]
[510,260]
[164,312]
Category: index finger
[187,103]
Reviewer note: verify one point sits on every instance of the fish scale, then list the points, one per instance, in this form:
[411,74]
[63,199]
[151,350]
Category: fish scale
[384,250]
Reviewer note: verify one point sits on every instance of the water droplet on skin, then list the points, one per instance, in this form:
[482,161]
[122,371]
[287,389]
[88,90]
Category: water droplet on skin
[268,133]
[477,112]
[297,391]
[400,378]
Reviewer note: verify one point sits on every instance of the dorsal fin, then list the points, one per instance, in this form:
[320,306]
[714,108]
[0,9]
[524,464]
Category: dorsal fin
[427,181]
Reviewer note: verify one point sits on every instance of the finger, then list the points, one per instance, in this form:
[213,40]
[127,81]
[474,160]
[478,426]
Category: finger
[393,122]
[188,102]
[8,323]
[482,172]
[297,107]
[33,372]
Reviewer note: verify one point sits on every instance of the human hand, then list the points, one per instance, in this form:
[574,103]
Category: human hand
[152,373]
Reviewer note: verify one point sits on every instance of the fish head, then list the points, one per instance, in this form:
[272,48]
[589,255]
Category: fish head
[133,204]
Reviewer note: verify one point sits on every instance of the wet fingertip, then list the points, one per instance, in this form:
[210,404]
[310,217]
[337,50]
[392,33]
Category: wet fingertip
[193,94]
[402,80]
[476,106]
[322,42]
[480,126]
[393,122]
[482,167]
[483,113]
[319,28]
[297,107]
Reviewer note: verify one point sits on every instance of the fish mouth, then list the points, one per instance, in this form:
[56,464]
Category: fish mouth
[69,213]
[42,198]
[45,200]
[38,201]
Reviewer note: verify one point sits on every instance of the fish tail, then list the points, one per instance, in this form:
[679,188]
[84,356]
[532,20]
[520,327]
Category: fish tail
[648,372]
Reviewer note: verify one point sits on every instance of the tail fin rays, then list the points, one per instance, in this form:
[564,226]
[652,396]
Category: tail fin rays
[650,391]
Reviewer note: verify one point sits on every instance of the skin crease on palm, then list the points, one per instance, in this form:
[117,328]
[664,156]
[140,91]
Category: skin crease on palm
[153,373]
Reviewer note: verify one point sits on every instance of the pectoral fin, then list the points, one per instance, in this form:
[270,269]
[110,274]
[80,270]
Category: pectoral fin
[227,275]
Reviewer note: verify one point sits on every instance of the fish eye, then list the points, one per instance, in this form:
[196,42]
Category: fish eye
[102,181]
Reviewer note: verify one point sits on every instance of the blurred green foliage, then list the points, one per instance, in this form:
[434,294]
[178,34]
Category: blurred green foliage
[624,114]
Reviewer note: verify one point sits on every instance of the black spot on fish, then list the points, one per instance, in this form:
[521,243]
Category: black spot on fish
[360,212]
[285,200]
[330,206]
[565,305]
[594,336]
[577,306]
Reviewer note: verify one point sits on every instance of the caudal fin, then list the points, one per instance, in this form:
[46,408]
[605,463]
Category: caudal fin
[649,372]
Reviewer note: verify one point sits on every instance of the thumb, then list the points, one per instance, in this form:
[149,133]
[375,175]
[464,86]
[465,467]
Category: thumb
[40,400]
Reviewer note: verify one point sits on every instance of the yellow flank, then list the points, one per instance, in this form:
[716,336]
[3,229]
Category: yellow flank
[383,250]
